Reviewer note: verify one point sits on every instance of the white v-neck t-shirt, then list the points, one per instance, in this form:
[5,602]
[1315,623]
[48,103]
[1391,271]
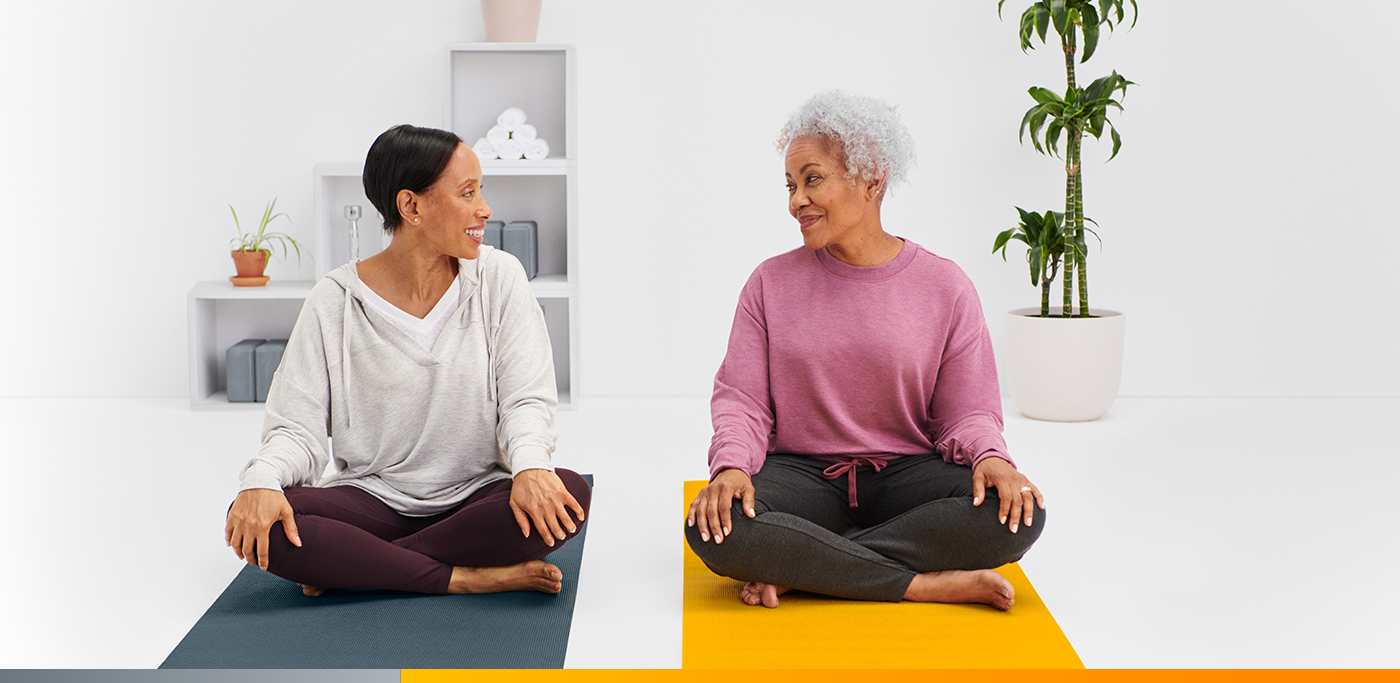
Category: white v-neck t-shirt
[426,330]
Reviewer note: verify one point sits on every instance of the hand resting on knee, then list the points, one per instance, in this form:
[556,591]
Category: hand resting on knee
[711,506]
[251,517]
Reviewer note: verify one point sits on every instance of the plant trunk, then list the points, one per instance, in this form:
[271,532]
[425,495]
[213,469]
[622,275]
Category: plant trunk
[1068,43]
[1081,255]
[1071,251]
[1045,298]
[1073,264]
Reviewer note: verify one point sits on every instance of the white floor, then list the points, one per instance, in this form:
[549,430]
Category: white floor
[1181,532]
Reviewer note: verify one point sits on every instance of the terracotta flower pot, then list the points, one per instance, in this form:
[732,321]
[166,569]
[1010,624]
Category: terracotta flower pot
[250,265]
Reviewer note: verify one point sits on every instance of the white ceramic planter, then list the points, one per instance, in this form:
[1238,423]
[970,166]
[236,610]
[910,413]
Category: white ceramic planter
[1064,370]
[511,21]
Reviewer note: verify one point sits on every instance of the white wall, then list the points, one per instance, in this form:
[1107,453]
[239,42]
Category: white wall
[1247,225]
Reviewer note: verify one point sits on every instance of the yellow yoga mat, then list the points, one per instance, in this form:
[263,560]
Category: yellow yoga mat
[809,631]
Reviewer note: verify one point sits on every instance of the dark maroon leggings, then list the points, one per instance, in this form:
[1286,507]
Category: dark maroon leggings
[351,539]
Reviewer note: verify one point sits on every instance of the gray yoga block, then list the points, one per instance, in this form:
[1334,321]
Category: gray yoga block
[521,240]
[267,357]
[239,373]
[493,233]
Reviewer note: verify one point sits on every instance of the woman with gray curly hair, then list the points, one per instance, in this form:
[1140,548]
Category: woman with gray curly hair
[858,449]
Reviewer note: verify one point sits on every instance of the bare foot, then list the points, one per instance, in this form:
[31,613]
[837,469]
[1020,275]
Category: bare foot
[535,575]
[983,585]
[312,591]
[758,593]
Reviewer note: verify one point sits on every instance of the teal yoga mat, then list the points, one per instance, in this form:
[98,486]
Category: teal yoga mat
[264,622]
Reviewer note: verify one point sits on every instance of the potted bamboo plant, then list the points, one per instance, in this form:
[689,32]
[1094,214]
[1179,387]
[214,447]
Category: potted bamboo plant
[251,249]
[1065,367]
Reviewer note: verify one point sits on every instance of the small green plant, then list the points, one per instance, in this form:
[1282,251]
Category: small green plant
[255,241]
[1079,112]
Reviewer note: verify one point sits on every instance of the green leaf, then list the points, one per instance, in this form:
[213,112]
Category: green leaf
[1052,136]
[1105,87]
[1090,16]
[1060,15]
[1095,89]
[1000,244]
[1095,234]
[1031,229]
[1091,38]
[1116,141]
[1096,125]
[1042,21]
[1122,85]
[1027,26]
[1037,120]
[1051,231]
[1044,95]
[1025,121]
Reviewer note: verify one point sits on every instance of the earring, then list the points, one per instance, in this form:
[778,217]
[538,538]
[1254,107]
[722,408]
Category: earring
[415,221]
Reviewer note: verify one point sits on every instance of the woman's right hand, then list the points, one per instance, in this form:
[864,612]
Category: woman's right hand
[250,520]
[711,507]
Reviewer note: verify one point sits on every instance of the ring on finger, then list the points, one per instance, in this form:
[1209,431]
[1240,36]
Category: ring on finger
[1025,489]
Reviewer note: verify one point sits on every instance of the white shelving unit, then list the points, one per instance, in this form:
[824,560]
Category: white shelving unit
[483,79]
[221,315]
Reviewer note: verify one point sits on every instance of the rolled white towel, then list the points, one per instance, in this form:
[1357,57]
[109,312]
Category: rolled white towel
[524,133]
[511,119]
[497,136]
[536,149]
[511,150]
[484,149]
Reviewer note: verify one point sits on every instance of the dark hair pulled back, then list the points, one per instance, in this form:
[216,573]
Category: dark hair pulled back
[405,158]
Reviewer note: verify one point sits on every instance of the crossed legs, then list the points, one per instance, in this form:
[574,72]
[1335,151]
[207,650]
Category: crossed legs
[913,535]
[351,539]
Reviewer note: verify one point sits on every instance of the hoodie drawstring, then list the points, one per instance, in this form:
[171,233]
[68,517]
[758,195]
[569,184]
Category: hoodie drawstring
[482,295]
[345,355]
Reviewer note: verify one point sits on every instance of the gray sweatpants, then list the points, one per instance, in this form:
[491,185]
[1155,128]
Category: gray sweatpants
[914,516]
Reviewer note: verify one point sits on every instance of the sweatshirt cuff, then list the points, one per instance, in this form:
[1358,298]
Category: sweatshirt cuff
[530,458]
[992,454]
[260,475]
[730,459]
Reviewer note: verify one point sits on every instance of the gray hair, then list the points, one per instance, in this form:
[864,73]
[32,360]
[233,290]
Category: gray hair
[868,133]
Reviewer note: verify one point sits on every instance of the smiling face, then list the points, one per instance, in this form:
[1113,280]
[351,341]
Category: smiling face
[830,208]
[452,211]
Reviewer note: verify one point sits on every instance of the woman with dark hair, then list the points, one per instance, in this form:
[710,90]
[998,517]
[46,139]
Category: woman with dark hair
[429,368]
[857,449]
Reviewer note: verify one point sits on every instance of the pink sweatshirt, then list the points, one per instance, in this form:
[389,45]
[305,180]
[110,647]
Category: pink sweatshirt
[829,359]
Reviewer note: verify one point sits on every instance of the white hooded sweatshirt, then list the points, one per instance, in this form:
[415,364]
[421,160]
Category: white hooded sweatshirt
[421,430]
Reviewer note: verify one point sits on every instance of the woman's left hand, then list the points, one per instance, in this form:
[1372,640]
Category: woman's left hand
[1013,488]
[540,495]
